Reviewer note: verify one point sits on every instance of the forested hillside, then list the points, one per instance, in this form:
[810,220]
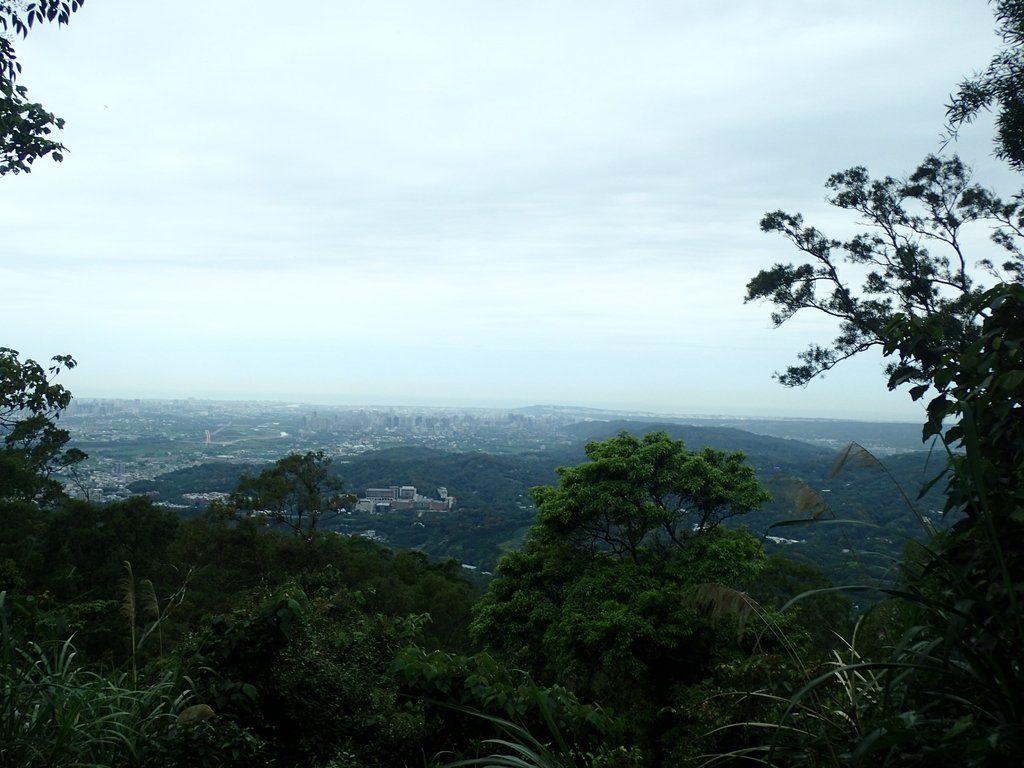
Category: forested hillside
[655,598]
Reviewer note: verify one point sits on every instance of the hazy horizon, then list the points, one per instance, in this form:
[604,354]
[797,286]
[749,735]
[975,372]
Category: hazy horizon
[496,406]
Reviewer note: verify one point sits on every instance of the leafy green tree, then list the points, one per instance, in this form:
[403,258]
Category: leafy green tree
[949,690]
[33,444]
[914,256]
[29,402]
[25,126]
[950,686]
[944,334]
[298,492]
[646,498]
[976,407]
[624,523]
[605,598]
[962,656]
[999,88]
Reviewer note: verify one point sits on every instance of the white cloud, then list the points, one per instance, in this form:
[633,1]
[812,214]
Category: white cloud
[524,202]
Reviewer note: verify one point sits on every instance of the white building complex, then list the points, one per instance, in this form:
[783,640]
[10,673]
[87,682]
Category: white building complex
[397,498]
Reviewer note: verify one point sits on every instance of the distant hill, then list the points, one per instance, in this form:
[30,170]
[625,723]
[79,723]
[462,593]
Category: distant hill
[494,511]
[881,437]
[208,477]
[764,452]
[869,519]
[474,478]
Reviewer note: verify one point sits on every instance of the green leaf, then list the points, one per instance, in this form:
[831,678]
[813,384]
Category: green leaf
[916,393]
[1013,381]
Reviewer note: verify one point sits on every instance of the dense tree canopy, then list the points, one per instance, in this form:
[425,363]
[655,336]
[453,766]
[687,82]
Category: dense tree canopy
[976,406]
[949,688]
[302,649]
[604,596]
[645,498]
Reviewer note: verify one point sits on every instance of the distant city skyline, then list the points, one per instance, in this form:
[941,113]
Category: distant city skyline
[493,407]
[464,204]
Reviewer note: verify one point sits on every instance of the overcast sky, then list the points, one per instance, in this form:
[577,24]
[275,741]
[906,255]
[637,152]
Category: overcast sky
[462,202]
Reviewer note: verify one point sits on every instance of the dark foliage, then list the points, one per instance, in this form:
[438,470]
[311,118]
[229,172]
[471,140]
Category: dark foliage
[25,126]
[1000,87]
[912,251]
[33,443]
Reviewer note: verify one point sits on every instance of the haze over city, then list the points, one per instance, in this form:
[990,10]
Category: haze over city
[463,203]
